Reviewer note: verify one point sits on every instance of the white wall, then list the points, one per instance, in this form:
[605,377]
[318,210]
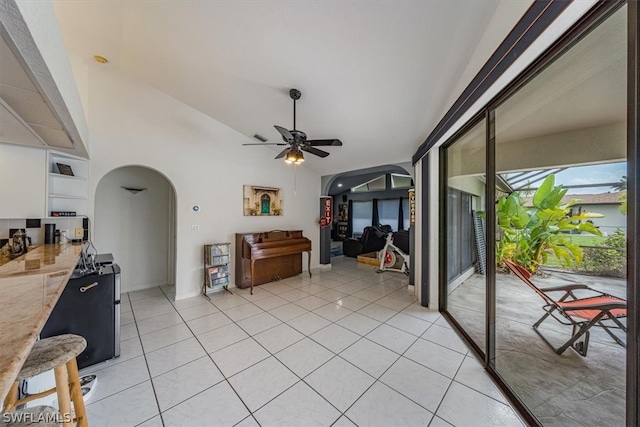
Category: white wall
[613,218]
[131,123]
[135,228]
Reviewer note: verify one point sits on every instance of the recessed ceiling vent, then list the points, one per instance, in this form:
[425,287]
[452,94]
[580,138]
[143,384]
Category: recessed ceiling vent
[260,137]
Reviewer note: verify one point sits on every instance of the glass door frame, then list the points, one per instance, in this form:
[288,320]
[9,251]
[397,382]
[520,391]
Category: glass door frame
[600,12]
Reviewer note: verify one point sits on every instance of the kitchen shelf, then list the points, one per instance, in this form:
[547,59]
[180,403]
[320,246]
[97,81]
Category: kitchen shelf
[64,196]
[59,175]
[67,193]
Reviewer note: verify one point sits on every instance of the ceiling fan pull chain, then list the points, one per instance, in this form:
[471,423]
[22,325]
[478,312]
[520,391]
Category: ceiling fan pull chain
[295,179]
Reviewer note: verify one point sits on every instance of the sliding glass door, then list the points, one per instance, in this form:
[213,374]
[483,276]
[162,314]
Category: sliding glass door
[465,279]
[541,181]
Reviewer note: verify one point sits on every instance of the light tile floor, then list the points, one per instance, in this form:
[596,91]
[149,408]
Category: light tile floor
[345,347]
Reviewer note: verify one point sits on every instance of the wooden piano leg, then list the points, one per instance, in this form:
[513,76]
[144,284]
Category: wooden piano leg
[309,262]
[252,275]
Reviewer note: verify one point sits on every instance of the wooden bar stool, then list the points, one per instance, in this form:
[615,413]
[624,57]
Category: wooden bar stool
[38,416]
[58,353]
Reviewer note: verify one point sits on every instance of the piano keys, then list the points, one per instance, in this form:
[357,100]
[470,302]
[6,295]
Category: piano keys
[268,256]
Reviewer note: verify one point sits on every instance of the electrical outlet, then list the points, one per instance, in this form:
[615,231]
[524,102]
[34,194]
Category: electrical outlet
[79,233]
[195,227]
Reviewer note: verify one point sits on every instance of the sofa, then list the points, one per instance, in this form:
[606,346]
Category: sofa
[373,239]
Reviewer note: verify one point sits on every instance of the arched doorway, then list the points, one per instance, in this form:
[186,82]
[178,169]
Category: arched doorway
[135,221]
[382,182]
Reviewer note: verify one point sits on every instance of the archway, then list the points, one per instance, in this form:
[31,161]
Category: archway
[135,221]
[340,184]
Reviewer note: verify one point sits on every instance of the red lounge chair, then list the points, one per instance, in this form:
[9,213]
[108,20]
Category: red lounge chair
[581,313]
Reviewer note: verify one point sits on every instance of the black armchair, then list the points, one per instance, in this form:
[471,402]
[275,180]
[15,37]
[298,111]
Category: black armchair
[372,240]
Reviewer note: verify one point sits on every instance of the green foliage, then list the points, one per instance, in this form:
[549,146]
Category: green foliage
[607,262]
[531,234]
[622,185]
[623,206]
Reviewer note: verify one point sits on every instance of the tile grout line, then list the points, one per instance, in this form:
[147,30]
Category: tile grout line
[304,335]
[146,362]
[206,355]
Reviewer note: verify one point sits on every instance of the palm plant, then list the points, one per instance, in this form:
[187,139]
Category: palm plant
[531,234]
[622,186]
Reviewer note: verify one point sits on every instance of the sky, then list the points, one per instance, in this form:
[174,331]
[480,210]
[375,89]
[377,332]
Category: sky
[593,174]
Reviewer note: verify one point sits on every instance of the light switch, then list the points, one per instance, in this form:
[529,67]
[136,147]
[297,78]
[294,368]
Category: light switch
[195,227]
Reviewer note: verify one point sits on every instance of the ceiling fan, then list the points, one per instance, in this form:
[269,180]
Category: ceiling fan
[297,140]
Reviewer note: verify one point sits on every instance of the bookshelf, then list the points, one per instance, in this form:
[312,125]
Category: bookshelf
[216,268]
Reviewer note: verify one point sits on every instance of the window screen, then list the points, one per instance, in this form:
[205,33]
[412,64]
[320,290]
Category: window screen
[361,216]
[388,212]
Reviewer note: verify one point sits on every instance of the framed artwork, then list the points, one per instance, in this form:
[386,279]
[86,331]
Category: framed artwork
[342,213]
[262,201]
[64,169]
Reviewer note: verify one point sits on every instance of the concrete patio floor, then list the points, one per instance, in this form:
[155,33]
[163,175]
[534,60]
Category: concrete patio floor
[561,390]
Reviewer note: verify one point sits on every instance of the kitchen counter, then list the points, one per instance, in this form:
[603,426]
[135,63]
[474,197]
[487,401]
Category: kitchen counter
[30,286]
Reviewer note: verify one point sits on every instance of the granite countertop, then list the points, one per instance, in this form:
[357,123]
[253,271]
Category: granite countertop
[30,286]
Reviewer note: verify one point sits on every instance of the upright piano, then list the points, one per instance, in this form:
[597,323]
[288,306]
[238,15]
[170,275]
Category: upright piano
[268,256]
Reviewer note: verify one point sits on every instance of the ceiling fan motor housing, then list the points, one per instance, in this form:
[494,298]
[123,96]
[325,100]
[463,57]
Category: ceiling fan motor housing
[298,136]
[295,94]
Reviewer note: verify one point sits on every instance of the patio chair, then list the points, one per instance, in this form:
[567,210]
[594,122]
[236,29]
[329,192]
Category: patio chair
[581,313]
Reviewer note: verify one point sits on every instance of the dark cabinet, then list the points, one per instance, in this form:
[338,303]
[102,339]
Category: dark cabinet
[90,307]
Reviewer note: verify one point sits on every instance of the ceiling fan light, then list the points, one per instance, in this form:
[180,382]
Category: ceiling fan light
[290,157]
[299,158]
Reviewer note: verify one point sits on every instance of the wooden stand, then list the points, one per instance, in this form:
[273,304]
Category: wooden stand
[216,267]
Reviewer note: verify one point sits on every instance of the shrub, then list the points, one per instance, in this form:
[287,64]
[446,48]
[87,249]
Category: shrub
[607,262]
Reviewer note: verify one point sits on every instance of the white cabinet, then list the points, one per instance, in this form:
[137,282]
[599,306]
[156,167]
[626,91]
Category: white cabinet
[67,187]
[22,181]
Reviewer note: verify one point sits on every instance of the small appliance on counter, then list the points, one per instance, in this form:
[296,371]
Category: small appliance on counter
[19,244]
[49,234]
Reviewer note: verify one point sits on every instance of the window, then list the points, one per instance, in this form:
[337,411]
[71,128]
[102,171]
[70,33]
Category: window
[388,212]
[361,216]
[405,212]
[376,184]
[401,181]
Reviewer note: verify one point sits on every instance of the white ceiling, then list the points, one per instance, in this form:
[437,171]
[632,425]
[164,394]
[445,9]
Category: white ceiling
[378,75]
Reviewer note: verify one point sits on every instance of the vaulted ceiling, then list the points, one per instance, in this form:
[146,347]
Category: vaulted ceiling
[377,75]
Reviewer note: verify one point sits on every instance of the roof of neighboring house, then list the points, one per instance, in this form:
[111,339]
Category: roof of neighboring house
[588,199]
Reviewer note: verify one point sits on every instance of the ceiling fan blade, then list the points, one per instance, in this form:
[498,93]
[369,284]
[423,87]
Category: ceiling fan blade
[282,153]
[267,143]
[325,142]
[284,132]
[315,151]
